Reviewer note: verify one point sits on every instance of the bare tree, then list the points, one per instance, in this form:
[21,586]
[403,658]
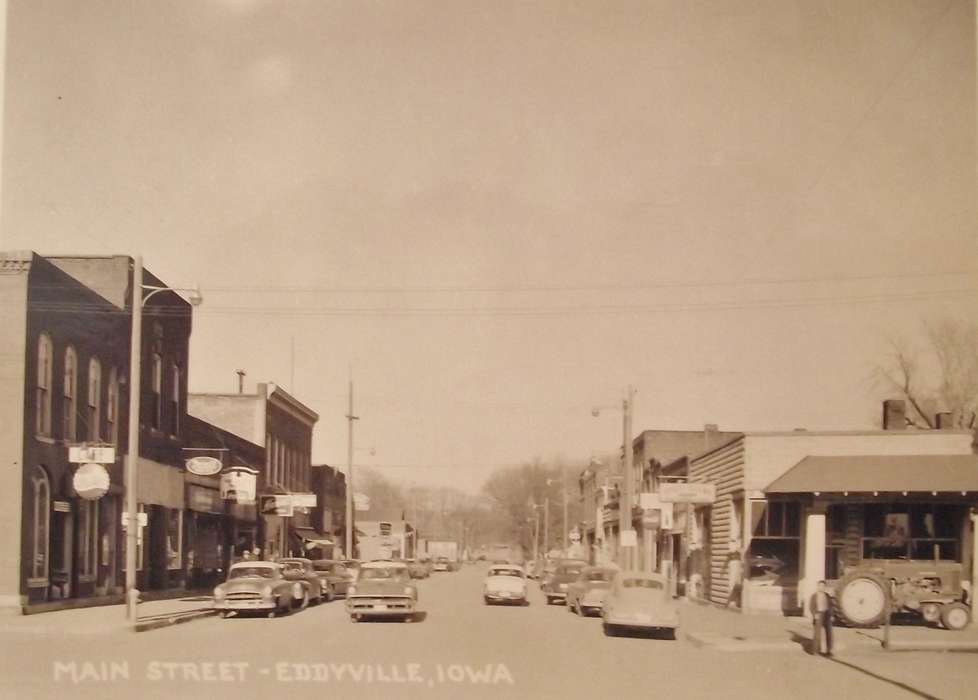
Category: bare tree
[936,374]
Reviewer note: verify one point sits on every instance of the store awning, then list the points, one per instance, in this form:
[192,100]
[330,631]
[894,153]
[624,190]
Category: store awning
[312,538]
[880,473]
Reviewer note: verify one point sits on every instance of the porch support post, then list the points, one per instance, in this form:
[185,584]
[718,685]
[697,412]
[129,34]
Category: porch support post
[974,563]
[814,557]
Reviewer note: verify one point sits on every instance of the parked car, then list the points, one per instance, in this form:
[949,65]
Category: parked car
[417,569]
[442,564]
[555,586]
[256,586]
[505,583]
[640,600]
[301,570]
[334,576]
[382,589]
[547,569]
[586,595]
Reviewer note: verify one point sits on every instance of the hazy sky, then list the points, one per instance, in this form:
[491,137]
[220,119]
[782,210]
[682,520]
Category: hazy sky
[502,213]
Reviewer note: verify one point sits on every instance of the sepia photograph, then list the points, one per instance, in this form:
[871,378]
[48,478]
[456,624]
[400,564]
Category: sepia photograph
[438,349]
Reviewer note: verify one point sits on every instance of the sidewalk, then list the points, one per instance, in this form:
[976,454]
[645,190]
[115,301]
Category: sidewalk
[731,630]
[110,619]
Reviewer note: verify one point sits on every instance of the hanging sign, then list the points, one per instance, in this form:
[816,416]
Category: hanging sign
[280,505]
[204,466]
[91,481]
[78,454]
[239,484]
[688,493]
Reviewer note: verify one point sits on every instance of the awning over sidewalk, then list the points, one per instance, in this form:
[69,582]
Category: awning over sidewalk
[876,473]
[312,538]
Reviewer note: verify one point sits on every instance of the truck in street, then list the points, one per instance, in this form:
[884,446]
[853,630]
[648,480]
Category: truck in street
[447,549]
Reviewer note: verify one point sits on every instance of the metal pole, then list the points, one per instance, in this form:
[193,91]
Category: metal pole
[546,525]
[625,508]
[349,476]
[132,457]
[563,475]
[536,536]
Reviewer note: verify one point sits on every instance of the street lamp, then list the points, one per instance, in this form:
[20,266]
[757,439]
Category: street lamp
[349,475]
[625,504]
[135,382]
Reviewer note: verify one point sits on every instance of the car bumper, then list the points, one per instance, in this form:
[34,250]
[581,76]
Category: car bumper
[648,622]
[261,604]
[505,596]
[382,606]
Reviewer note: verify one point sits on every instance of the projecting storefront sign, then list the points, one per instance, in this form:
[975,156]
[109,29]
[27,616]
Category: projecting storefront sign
[91,481]
[239,484]
[688,493]
[78,454]
[204,500]
[204,466]
[276,505]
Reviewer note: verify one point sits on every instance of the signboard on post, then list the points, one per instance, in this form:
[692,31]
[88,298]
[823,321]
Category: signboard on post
[628,538]
[361,501]
[239,484]
[304,500]
[204,466]
[280,505]
[79,454]
[688,493]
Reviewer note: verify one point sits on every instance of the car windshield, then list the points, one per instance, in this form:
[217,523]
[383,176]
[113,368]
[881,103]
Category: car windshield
[598,576]
[642,583]
[292,566]
[505,572]
[322,566]
[569,571]
[380,574]
[252,572]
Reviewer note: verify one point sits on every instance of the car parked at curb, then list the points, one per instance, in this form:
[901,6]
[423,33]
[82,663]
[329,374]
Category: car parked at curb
[586,595]
[505,583]
[640,601]
[301,570]
[554,588]
[334,576]
[382,589]
[256,587]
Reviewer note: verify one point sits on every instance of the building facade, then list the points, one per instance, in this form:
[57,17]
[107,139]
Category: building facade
[66,340]
[329,517]
[282,425]
[794,508]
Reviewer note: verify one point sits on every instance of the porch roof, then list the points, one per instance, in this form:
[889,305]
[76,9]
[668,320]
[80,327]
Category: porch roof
[871,473]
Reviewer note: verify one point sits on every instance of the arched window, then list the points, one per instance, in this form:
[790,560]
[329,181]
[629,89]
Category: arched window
[41,499]
[156,392]
[70,392]
[174,399]
[42,396]
[112,407]
[94,400]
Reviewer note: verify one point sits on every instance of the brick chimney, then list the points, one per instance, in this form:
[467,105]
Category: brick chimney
[944,421]
[894,414]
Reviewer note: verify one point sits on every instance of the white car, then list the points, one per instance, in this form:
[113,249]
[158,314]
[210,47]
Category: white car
[505,583]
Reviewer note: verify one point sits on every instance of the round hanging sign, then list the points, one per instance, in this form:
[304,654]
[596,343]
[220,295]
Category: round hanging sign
[204,466]
[91,481]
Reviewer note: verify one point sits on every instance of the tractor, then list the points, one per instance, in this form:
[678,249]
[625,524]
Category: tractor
[936,590]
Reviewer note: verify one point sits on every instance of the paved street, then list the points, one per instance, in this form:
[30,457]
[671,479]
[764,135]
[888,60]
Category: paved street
[461,649]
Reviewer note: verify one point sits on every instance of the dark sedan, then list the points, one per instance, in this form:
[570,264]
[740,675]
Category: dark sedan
[335,577]
[555,587]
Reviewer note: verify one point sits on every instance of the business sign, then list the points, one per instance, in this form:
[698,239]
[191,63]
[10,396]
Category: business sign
[276,505]
[304,500]
[239,484]
[361,501]
[628,538]
[687,493]
[91,481]
[575,535]
[78,454]
[204,466]
[142,519]
[652,518]
[204,500]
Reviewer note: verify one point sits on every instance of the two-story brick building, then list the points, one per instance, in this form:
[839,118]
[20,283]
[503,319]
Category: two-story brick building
[65,359]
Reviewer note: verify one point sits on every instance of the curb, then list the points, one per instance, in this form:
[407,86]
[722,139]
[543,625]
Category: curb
[734,644]
[175,619]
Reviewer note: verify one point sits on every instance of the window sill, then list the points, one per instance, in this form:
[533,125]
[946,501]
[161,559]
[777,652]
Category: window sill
[46,439]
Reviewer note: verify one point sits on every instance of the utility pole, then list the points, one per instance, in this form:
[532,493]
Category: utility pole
[546,525]
[132,458]
[625,506]
[563,474]
[349,475]
[536,534]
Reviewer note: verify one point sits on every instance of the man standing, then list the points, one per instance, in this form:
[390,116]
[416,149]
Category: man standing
[821,607]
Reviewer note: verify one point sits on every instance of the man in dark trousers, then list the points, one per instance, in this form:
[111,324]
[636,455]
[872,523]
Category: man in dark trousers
[821,607]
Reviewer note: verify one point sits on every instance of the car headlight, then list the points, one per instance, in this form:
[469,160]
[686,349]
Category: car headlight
[266,591]
[219,593]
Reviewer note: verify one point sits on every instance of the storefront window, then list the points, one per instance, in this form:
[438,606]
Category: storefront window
[45,354]
[901,531]
[88,536]
[772,557]
[174,538]
[69,391]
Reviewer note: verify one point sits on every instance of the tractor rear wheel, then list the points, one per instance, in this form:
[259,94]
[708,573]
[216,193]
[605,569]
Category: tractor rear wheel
[862,599]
